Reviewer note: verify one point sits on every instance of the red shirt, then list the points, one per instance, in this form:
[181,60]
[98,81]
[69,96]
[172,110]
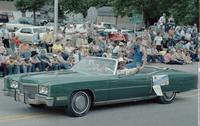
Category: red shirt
[16,41]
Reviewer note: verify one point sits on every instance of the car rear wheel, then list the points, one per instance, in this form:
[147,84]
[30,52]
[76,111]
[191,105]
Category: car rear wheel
[167,98]
[79,105]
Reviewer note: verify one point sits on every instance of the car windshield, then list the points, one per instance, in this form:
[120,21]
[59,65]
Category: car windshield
[96,66]
[39,30]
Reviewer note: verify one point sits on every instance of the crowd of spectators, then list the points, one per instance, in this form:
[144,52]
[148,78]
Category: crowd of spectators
[163,43]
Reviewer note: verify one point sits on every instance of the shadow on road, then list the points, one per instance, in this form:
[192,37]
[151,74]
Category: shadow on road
[60,111]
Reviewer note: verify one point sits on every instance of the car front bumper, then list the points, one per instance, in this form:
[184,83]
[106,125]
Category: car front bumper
[38,100]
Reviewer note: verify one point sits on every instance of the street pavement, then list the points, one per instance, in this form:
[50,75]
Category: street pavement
[182,112]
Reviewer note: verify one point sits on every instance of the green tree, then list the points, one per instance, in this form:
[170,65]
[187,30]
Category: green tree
[32,5]
[184,11]
[22,5]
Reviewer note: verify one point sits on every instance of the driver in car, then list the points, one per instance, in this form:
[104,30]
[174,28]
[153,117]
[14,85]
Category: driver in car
[122,70]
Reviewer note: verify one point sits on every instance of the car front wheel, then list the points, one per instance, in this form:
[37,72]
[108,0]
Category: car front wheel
[167,98]
[79,104]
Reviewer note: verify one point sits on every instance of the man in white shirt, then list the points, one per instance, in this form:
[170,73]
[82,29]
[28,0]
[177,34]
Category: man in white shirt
[162,19]
[68,33]
[6,36]
[82,37]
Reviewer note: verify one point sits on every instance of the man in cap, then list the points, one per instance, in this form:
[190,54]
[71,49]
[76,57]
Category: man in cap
[36,63]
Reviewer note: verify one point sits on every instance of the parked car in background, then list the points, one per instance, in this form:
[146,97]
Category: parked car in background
[4,18]
[14,25]
[26,34]
[95,81]
[41,20]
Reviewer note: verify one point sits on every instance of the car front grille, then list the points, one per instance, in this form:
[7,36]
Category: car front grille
[29,90]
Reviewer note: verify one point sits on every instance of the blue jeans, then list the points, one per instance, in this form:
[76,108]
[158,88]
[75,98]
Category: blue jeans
[26,69]
[44,66]
[37,65]
[153,59]
[133,65]
[176,62]
[64,66]
[13,69]
[55,67]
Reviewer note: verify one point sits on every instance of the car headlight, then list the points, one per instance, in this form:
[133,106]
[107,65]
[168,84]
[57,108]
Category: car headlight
[14,84]
[43,90]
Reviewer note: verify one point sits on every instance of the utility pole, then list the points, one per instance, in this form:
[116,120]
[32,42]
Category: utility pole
[55,18]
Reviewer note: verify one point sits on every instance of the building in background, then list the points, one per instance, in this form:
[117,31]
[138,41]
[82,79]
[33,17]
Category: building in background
[8,7]
[106,14]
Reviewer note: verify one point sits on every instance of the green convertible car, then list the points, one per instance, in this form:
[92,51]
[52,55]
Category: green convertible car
[94,81]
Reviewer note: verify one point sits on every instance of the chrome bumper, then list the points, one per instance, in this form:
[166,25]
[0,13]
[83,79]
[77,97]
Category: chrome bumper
[39,99]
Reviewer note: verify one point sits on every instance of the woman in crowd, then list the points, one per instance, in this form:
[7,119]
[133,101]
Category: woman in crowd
[14,42]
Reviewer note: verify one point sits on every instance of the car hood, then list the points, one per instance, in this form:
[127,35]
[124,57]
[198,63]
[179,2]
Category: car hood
[59,77]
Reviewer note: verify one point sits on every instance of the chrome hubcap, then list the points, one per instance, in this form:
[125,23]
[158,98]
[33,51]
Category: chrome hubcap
[169,94]
[80,103]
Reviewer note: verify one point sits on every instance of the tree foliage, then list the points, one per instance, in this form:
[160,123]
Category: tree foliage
[184,11]
[31,5]
[22,5]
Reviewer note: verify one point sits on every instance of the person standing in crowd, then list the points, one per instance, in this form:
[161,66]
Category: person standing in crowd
[6,36]
[162,22]
[3,67]
[36,39]
[68,34]
[91,34]
[82,38]
[14,42]
[1,33]
[170,40]
[2,49]
[74,35]
[146,38]
[48,41]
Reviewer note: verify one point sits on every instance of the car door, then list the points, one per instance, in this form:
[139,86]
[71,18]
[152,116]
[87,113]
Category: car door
[129,86]
[26,34]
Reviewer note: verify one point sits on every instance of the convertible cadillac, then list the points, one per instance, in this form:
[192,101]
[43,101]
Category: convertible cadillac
[94,81]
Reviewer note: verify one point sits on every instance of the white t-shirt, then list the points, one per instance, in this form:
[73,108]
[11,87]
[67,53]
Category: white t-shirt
[188,36]
[158,40]
[1,33]
[68,33]
[6,34]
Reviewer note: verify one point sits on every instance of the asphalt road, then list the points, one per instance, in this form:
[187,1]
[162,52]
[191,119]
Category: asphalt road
[183,112]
